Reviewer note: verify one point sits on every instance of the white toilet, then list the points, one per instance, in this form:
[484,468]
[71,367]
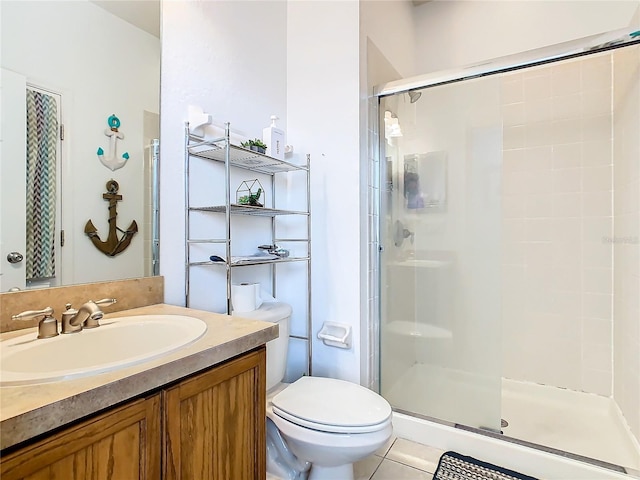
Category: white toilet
[319,424]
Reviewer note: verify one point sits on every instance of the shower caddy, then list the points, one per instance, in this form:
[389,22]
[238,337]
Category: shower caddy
[233,156]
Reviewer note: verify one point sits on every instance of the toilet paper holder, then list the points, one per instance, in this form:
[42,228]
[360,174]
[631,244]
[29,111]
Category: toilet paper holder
[335,334]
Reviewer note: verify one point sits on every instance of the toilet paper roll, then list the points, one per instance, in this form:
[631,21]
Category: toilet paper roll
[245,297]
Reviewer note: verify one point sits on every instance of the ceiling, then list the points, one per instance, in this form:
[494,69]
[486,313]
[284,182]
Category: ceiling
[144,14]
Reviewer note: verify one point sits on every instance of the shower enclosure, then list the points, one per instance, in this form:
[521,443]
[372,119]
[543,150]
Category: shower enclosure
[509,267]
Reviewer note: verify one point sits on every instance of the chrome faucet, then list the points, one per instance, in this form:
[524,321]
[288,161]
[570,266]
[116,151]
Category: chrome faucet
[87,316]
[47,327]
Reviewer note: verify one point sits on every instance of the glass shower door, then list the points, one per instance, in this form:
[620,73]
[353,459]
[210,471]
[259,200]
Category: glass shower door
[440,331]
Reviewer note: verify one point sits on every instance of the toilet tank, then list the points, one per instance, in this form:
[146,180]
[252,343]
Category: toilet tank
[280,313]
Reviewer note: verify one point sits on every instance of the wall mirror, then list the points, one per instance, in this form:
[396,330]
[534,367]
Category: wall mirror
[76,63]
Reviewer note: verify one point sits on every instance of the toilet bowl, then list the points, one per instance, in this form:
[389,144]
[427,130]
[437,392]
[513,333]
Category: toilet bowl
[322,423]
[330,423]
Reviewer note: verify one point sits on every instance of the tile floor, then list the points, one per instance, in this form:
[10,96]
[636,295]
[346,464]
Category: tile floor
[400,459]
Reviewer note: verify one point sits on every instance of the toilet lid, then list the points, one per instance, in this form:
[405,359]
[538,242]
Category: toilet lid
[332,405]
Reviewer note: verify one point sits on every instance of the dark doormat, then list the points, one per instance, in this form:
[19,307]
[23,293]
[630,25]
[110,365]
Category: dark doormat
[453,466]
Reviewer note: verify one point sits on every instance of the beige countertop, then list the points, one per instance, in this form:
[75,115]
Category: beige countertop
[27,411]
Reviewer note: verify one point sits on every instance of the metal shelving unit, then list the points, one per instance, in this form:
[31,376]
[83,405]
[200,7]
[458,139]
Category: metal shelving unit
[232,156]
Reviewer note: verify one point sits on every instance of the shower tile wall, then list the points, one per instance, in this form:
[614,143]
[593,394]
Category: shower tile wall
[557,211]
[626,236]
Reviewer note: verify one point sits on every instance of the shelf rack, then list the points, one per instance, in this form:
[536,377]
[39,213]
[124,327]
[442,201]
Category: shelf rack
[233,156]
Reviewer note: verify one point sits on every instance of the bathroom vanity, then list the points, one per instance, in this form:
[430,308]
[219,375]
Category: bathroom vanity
[198,412]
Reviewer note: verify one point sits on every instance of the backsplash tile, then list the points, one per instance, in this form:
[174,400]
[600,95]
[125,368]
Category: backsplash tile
[132,293]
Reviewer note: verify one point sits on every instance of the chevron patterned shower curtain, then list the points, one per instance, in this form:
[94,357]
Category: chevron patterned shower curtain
[42,138]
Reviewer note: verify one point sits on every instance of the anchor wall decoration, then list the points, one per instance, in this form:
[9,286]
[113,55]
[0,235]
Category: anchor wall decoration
[111,161]
[113,245]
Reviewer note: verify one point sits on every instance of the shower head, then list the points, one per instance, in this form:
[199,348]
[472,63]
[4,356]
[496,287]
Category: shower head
[414,95]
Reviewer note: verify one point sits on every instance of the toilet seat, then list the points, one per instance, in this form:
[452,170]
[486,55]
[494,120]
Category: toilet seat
[321,427]
[333,406]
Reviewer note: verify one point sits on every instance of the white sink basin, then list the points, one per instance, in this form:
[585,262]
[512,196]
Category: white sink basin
[117,343]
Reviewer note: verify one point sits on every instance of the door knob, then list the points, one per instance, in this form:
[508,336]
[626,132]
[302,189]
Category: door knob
[15,257]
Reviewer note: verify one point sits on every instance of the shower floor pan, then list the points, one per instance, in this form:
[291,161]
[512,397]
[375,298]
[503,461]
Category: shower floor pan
[576,422]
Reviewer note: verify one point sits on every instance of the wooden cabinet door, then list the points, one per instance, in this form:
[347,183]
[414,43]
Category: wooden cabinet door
[215,425]
[122,444]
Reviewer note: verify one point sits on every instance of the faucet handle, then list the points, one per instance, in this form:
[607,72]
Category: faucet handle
[47,327]
[29,314]
[106,302]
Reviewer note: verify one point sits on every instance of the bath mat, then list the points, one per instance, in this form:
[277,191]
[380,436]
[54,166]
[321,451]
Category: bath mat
[453,466]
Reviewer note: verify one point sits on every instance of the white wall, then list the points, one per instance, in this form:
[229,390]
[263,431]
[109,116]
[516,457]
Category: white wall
[389,24]
[323,109]
[457,33]
[229,59]
[102,65]
[308,75]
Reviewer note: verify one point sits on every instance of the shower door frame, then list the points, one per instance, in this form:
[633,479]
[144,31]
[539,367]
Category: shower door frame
[565,51]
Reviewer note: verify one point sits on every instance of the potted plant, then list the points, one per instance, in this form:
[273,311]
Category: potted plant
[255,145]
[250,192]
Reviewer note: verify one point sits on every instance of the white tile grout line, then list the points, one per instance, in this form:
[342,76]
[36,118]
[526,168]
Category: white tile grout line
[376,469]
[385,457]
[386,452]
